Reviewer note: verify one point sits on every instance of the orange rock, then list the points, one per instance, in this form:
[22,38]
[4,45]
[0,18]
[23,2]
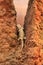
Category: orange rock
[8,31]
[34,30]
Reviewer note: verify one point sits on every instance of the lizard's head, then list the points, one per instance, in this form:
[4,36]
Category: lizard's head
[19,26]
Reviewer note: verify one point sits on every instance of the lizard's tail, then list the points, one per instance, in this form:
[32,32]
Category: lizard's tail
[22,43]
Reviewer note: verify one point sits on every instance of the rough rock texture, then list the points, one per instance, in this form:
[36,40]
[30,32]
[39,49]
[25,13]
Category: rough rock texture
[11,52]
[34,32]
[8,32]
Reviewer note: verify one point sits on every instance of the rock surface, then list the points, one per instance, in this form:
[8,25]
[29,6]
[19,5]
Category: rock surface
[8,32]
[10,51]
[33,26]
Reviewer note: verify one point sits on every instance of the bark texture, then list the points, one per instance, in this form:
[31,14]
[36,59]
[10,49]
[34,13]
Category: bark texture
[33,26]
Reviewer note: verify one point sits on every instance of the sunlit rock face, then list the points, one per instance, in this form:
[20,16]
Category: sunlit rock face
[21,8]
[34,32]
[8,32]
